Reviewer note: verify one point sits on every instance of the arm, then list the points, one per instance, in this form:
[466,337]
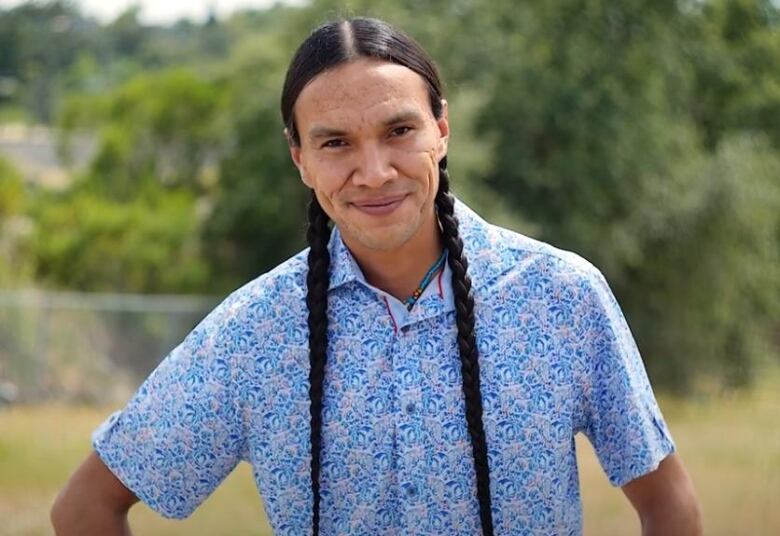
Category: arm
[624,422]
[93,501]
[666,500]
[178,437]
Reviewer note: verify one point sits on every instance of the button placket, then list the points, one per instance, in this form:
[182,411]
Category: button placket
[411,428]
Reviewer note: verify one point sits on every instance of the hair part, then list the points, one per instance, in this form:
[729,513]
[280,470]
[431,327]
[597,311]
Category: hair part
[330,45]
[338,42]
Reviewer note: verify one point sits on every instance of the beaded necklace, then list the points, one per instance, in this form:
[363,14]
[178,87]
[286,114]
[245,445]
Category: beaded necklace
[411,300]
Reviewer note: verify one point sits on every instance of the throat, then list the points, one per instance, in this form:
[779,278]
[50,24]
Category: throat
[404,277]
[401,271]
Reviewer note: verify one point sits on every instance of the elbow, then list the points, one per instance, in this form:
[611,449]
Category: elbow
[67,513]
[683,519]
[93,501]
[74,514]
[694,518]
[691,517]
[666,501]
[59,514]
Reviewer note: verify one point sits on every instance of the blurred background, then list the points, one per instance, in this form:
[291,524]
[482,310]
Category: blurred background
[144,176]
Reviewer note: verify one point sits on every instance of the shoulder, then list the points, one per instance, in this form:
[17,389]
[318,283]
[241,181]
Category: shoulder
[498,254]
[287,280]
[271,299]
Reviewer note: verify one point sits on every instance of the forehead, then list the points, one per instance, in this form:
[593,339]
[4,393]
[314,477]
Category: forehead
[360,92]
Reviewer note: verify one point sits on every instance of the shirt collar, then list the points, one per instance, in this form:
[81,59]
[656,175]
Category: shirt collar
[343,266]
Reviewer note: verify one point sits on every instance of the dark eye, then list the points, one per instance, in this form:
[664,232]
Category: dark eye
[400,131]
[336,142]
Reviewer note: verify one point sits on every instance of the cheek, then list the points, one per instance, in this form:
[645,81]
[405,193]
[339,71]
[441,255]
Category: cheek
[423,152]
[327,176]
[422,166]
[433,158]
[419,158]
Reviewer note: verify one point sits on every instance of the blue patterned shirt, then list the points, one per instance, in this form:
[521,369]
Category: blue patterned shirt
[556,358]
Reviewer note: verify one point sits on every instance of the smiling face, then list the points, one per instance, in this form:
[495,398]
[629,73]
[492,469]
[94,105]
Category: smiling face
[369,148]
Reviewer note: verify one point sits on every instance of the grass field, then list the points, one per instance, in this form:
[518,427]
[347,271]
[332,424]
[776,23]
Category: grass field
[731,446]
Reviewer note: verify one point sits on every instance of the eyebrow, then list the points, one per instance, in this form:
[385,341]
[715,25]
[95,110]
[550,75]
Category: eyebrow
[325,132]
[405,116]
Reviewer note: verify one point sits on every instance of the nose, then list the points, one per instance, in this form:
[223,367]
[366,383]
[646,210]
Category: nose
[374,166]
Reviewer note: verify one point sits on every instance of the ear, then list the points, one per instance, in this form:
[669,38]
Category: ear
[444,130]
[295,154]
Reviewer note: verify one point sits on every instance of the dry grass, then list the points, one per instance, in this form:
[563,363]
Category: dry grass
[731,448]
[730,445]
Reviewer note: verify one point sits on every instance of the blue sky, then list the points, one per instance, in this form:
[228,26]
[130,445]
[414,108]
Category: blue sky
[162,11]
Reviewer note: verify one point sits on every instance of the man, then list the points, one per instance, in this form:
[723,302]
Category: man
[373,387]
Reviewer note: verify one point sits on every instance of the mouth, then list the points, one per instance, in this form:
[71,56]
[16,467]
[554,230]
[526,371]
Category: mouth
[380,206]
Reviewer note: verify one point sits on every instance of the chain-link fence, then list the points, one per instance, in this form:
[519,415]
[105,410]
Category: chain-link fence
[74,346]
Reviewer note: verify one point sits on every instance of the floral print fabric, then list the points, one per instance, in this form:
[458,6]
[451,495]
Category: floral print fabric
[556,358]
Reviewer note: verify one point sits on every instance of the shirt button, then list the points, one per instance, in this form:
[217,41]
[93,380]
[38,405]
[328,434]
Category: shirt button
[411,490]
[410,407]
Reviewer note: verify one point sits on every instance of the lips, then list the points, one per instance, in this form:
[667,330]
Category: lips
[379,206]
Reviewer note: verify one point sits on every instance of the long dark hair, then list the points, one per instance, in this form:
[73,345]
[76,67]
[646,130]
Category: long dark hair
[330,45]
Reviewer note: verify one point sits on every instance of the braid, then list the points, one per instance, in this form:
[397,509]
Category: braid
[467,346]
[317,280]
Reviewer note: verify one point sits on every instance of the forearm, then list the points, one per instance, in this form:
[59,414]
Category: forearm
[680,519]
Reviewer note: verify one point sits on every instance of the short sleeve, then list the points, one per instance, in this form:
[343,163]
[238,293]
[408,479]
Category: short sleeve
[622,419]
[181,433]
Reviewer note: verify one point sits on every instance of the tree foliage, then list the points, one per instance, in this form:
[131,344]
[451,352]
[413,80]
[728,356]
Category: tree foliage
[86,241]
[15,227]
[642,135]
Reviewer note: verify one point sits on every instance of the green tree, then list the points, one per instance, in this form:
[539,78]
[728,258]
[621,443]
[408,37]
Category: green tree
[86,241]
[162,128]
[15,228]
[642,135]
[39,41]
[597,144]
[734,51]
[133,220]
[259,203]
[706,297]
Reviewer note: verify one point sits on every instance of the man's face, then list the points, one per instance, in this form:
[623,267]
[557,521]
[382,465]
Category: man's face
[370,148]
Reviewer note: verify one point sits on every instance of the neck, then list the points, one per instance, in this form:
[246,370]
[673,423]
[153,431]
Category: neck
[399,271]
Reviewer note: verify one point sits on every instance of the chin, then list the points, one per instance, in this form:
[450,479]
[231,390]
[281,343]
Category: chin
[385,240]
